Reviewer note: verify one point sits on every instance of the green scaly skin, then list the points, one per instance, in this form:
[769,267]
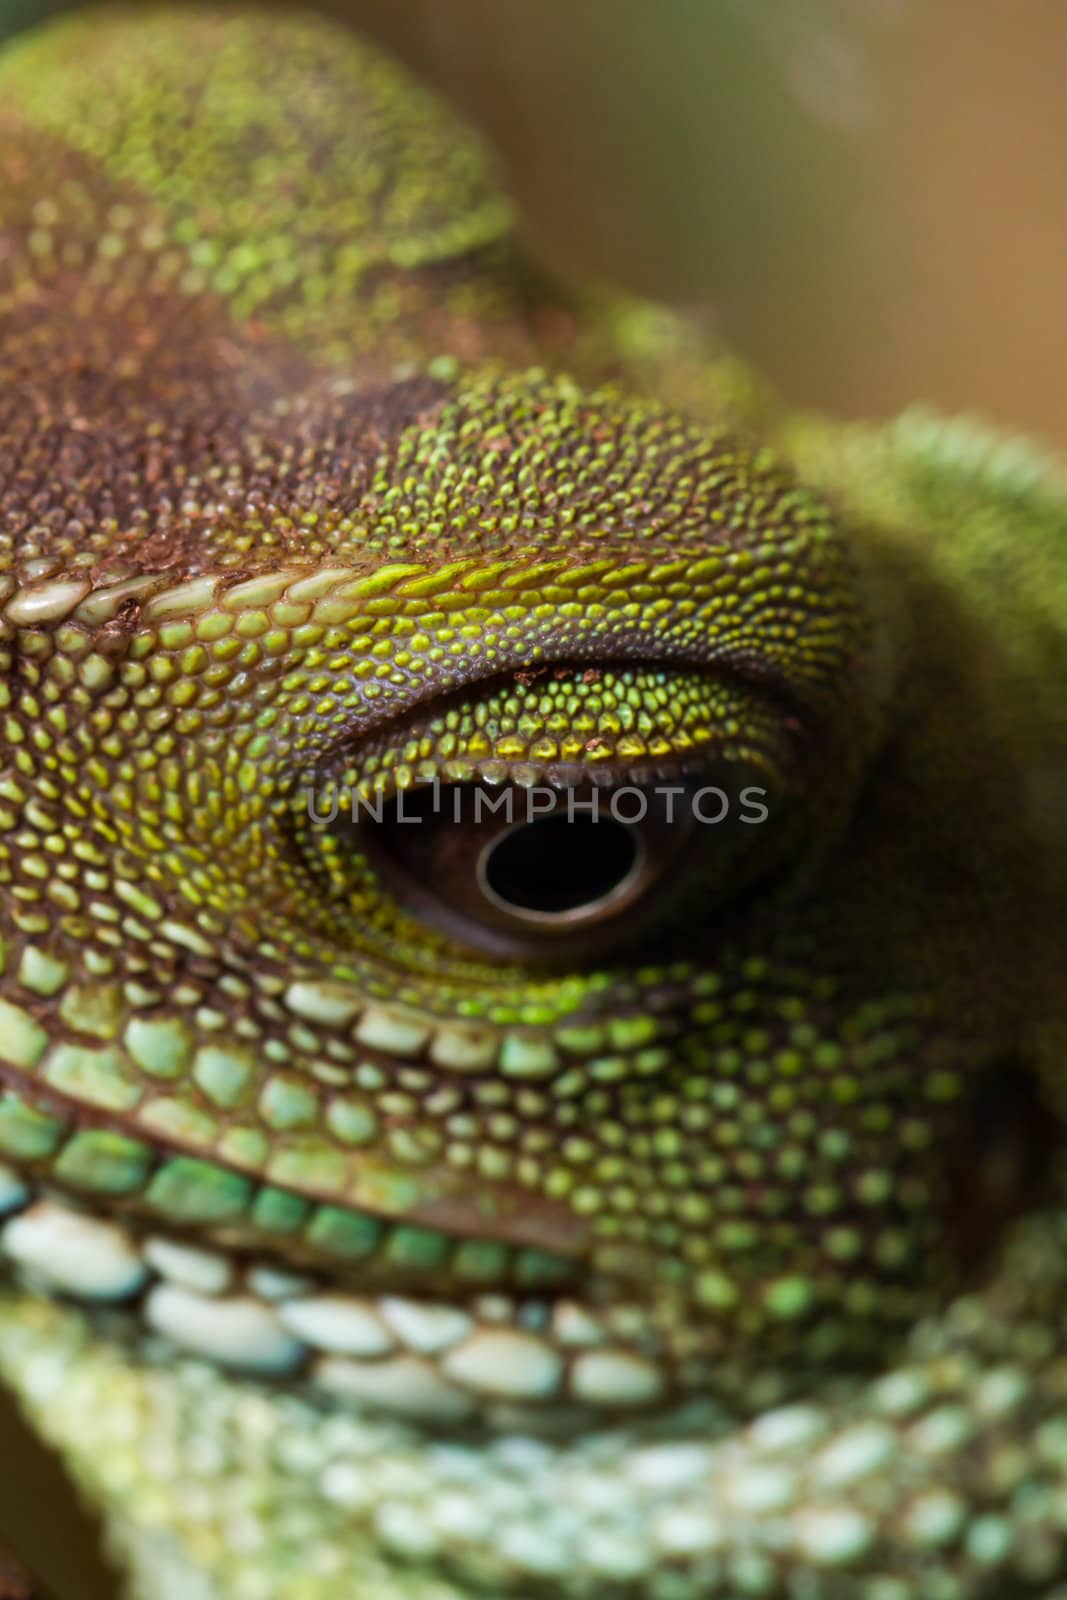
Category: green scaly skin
[721,1261]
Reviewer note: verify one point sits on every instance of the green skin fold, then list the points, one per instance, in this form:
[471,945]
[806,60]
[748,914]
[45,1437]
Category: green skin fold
[745,1215]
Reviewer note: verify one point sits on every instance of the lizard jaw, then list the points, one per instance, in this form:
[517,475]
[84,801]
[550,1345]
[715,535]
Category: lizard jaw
[497,1356]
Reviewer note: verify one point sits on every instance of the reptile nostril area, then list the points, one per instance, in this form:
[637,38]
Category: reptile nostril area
[561,868]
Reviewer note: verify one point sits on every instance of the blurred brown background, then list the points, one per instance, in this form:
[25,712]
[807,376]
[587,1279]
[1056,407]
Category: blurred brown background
[867,197]
[871,195]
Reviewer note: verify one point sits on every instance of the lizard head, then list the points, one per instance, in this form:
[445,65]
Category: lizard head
[466,828]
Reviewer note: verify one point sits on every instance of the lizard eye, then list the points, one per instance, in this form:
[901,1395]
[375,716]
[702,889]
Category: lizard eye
[575,854]
[549,873]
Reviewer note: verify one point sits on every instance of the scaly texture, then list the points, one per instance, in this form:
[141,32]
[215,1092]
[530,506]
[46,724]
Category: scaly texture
[453,1210]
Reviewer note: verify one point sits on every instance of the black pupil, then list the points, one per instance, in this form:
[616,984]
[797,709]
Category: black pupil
[554,865]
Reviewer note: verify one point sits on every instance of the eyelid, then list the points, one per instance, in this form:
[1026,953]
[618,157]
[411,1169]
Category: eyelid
[689,716]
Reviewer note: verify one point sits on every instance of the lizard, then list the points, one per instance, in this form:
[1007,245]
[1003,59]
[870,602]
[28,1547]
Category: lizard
[624,1202]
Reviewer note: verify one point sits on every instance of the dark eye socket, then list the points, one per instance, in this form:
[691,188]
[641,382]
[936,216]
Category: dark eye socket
[544,875]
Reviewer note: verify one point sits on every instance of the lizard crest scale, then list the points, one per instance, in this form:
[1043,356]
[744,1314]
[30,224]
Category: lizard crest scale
[402,1192]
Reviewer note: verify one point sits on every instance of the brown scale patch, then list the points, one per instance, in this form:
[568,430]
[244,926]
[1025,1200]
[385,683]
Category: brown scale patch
[312,181]
[130,412]
[141,421]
